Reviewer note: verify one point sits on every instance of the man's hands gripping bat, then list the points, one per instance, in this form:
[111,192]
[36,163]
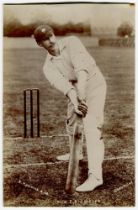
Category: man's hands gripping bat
[81,109]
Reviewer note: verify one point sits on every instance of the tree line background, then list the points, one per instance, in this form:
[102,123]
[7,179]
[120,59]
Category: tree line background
[15,28]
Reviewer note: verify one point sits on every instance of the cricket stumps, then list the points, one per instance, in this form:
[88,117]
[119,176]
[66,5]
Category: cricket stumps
[30,105]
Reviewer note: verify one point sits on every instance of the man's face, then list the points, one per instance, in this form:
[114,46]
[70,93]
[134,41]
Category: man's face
[50,43]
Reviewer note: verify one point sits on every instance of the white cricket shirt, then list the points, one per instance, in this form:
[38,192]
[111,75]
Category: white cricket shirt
[74,57]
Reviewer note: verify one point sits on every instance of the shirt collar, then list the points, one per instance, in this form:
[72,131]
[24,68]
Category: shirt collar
[61,48]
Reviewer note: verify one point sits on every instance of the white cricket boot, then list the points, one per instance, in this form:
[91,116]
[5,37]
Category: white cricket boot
[63,157]
[66,157]
[90,184]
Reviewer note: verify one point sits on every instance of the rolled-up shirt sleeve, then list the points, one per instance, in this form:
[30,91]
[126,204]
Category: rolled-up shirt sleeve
[57,80]
[81,59]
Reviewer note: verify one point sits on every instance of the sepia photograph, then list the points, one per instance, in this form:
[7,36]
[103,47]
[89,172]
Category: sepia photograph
[69,104]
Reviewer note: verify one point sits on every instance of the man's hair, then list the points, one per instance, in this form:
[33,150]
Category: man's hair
[42,32]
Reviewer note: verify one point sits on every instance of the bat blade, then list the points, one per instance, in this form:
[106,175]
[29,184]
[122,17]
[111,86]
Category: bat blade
[73,167]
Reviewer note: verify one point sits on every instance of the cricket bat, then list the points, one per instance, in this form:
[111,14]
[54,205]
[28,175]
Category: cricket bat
[73,167]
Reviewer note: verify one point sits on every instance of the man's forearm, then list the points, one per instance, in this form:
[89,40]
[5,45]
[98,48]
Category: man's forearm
[72,95]
[79,107]
[81,86]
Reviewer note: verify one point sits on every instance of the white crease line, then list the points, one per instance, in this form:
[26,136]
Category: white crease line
[50,136]
[32,164]
[59,135]
[122,187]
[33,188]
[119,157]
[59,162]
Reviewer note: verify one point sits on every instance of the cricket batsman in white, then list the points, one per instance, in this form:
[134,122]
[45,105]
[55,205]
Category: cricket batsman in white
[73,71]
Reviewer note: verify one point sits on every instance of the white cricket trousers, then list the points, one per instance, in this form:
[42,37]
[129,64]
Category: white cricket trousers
[93,122]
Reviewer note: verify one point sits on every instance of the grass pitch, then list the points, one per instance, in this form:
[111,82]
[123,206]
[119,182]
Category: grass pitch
[32,176]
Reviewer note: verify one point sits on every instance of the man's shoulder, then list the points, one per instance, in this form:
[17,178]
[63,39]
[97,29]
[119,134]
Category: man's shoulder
[70,39]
